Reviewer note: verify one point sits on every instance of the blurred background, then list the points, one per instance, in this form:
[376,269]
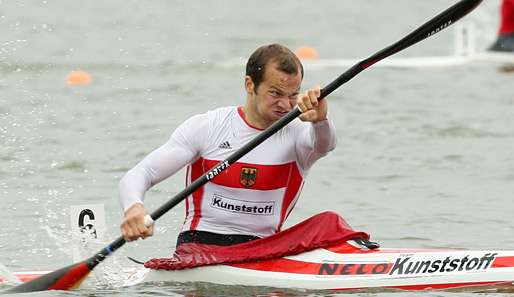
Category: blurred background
[424,156]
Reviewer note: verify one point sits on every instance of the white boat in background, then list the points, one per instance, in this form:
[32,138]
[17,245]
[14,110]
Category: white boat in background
[465,52]
[350,266]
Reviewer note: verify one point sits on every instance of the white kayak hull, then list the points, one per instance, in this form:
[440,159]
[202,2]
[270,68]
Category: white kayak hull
[347,267]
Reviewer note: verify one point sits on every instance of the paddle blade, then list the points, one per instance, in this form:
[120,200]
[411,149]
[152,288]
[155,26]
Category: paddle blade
[66,278]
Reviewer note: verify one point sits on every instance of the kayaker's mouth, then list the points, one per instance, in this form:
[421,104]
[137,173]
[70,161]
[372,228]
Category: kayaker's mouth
[280,113]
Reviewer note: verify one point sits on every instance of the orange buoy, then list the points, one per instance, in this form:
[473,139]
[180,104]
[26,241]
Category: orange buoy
[78,78]
[306,53]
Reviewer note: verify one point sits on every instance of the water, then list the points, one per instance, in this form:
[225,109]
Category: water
[424,156]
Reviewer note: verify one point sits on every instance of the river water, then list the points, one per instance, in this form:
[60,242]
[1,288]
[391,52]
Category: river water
[424,156]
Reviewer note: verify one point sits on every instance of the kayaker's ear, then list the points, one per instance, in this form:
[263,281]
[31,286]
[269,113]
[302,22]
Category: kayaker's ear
[249,85]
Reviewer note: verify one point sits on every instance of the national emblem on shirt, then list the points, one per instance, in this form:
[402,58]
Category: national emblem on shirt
[248,176]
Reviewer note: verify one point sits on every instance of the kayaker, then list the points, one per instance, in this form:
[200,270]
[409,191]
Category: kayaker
[505,40]
[254,196]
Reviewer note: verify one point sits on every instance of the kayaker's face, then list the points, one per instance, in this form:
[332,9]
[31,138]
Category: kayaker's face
[276,94]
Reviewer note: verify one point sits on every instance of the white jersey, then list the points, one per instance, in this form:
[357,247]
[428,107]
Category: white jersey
[254,195]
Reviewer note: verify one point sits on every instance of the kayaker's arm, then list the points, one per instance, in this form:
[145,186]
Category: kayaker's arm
[154,168]
[182,148]
[320,138]
[315,142]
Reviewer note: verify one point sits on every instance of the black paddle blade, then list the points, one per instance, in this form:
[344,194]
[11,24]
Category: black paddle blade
[66,278]
[69,277]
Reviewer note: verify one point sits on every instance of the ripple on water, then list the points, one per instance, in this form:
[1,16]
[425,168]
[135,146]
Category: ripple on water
[459,131]
[207,289]
[379,178]
[455,158]
[75,166]
[114,170]
[442,219]
[413,238]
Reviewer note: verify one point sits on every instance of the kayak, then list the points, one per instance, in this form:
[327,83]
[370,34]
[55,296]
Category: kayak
[350,266]
[322,252]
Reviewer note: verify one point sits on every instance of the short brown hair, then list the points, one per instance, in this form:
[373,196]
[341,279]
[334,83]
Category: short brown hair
[285,59]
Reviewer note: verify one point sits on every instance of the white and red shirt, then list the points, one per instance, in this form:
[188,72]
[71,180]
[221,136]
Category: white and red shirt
[254,195]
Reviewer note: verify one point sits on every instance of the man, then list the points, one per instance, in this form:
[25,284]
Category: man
[254,196]
[505,40]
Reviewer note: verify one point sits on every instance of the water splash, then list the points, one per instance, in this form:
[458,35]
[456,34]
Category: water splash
[110,274]
[8,275]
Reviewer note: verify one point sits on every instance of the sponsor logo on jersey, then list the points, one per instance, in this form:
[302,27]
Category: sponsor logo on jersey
[241,206]
[225,145]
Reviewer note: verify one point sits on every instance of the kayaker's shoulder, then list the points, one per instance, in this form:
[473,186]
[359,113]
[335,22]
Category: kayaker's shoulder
[213,116]
[221,112]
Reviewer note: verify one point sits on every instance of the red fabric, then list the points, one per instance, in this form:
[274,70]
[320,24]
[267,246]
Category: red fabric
[197,169]
[295,181]
[322,230]
[269,177]
[71,278]
[242,115]
[507,17]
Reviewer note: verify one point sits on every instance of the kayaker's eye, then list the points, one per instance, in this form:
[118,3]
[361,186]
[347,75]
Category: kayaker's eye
[274,94]
[293,97]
